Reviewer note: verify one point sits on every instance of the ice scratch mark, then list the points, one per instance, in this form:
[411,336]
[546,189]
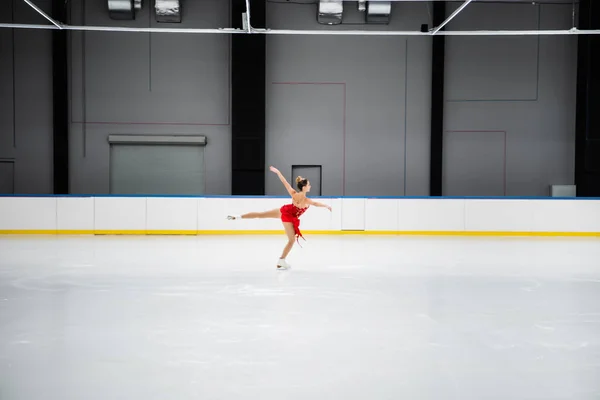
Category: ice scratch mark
[427,317]
[535,285]
[585,280]
[546,328]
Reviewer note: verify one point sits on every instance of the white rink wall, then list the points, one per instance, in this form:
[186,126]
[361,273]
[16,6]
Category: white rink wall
[207,215]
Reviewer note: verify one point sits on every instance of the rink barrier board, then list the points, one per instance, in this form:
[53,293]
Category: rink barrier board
[281,232]
[189,215]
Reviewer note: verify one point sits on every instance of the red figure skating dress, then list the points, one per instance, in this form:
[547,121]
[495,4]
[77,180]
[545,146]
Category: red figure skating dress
[291,213]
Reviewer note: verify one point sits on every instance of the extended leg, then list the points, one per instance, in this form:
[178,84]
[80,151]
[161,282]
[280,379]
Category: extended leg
[276,213]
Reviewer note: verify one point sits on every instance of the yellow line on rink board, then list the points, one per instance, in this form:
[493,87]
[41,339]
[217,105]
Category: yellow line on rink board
[279,232]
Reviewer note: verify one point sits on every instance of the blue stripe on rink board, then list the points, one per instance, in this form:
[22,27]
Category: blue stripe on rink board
[313,197]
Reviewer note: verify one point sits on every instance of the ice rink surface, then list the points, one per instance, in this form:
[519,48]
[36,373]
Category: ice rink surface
[357,317]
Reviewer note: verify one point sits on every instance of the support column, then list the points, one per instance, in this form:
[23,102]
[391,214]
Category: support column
[248,98]
[437,101]
[587,133]
[60,90]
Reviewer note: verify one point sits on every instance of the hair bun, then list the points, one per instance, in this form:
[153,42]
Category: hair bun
[299,179]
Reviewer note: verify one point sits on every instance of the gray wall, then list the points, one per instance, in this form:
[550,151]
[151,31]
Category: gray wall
[518,88]
[510,109]
[25,102]
[358,106]
[151,84]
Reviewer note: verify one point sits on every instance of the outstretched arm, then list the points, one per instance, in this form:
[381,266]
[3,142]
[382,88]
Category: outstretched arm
[288,187]
[317,204]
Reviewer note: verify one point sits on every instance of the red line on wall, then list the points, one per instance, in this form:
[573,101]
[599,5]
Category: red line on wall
[146,123]
[344,147]
[476,131]
[505,146]
[309,83]
[343,122]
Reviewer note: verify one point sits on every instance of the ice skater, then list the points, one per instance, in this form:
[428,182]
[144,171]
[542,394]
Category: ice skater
[289,213]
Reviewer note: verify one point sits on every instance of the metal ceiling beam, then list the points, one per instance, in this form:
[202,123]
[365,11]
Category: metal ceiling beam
[445,33]
[248,24]
[569,2]
[43,14]
[305,32]
[454,14]
[121,29]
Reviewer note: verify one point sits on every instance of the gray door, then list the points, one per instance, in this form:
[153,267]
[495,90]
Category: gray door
[156,169]
[7,177]
[313,173]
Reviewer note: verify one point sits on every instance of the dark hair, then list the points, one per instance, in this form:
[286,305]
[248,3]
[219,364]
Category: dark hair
[301,182]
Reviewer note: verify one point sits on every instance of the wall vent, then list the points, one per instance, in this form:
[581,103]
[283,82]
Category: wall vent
[123,9]
[330,12]
[378,12]
[168,11]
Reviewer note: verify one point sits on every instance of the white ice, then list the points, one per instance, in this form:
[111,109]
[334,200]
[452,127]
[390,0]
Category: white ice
[357,317]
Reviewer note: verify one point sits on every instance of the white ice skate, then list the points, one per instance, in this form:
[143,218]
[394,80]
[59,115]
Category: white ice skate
[282,264]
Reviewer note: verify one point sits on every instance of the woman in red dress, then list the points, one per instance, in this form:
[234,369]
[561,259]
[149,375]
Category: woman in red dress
[289,213]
